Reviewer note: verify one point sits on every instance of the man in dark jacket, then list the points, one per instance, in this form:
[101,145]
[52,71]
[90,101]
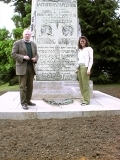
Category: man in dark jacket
[24,52]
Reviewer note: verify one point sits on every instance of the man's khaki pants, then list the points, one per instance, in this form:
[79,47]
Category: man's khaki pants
[26,85]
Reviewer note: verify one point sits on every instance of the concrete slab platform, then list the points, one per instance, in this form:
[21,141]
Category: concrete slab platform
[101,105]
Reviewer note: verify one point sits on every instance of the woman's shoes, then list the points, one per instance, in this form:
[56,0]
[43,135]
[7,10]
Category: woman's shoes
[84,104]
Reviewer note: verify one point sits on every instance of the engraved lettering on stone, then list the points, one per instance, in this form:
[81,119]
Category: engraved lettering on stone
[45,41]
[56,37]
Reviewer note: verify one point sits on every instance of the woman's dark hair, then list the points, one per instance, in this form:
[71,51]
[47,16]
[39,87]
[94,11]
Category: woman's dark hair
[87,42]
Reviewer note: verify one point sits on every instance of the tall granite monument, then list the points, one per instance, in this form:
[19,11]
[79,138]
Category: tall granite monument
[55,30]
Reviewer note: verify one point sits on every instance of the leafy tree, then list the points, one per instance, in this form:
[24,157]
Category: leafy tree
[21,19]
[23,9]
[27,18]
[6,62]
[23,22]
[101,24]
[17,33]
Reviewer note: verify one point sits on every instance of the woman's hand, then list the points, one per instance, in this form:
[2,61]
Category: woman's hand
[88,72]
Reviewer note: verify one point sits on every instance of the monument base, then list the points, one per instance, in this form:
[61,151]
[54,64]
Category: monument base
[58,90]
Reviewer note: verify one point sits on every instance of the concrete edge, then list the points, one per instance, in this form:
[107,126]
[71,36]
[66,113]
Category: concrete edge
[57,115]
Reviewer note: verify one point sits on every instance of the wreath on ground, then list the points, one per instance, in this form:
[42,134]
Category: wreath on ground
[59,102]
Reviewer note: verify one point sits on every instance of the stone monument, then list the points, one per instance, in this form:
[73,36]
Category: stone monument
[54,27]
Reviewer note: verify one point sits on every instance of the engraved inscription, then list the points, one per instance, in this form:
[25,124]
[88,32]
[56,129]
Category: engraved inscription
[56,38]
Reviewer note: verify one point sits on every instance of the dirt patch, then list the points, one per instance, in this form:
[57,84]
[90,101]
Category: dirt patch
[113,91]
[94,138]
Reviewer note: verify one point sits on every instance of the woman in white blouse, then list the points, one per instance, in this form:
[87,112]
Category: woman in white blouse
[85,62]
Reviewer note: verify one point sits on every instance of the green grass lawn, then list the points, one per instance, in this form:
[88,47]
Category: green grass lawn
[6,87]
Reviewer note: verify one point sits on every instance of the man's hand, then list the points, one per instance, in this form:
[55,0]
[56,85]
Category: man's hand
[26,57]
[33,59]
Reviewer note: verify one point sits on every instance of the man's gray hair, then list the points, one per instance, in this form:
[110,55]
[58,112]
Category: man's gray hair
[27,31]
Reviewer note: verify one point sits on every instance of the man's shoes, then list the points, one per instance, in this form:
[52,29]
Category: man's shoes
[24,106]
[31,104]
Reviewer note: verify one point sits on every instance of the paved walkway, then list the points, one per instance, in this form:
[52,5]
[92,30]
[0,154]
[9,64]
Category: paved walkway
[101,104]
